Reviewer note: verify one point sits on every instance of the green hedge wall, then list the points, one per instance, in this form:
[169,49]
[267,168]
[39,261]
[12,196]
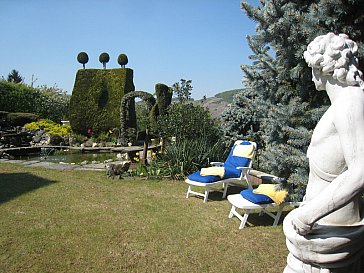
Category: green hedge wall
[48,103]
[96,98]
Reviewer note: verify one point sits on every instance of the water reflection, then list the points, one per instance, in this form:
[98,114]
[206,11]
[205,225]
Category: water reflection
[70,156]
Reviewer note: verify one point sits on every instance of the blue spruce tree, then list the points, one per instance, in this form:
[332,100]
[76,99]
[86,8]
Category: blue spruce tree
[279,106]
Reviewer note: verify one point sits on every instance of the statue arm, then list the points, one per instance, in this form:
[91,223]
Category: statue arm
[349,123]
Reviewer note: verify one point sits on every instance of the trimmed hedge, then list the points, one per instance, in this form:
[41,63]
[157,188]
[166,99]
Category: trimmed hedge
[46,102]
[16,119]
[96,98]
[125,111]
[164,99]
[3,115]
[20,119]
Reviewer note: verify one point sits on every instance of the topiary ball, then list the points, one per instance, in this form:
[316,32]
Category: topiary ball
[104,57]
[82,58]
[122,59]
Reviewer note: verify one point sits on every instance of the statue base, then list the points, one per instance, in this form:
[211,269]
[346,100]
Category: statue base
[294,265]
[327,249]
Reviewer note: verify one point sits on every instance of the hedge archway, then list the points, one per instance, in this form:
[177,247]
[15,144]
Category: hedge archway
[124,110]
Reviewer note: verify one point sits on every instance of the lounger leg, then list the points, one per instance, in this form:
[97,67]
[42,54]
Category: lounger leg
[206,195]
[225,190]
[245,218]
[232,211]
[279,213]
[188,191]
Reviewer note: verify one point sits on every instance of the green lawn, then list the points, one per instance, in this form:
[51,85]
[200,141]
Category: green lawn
[80,221]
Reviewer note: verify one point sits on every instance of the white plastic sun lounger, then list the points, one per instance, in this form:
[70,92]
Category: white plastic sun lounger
[235,164]
[239,202]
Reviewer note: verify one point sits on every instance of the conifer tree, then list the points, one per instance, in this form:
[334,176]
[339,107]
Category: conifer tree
[278,83]
[15,77]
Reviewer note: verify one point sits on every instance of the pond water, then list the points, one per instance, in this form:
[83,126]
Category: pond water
[71,156]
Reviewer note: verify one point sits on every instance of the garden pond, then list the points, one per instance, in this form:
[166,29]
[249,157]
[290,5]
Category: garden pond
[69,156]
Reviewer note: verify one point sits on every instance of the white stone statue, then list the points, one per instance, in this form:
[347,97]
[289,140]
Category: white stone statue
[326,233]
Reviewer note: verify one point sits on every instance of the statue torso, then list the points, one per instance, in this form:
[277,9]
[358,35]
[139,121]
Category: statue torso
[325,149]
[327,162]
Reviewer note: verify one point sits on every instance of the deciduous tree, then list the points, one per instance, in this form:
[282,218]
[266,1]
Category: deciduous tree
[182,90]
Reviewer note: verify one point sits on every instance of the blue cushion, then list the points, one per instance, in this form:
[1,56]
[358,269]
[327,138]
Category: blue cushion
[229,173]
[256,198]
[234,162]
[237,161]
[204,179]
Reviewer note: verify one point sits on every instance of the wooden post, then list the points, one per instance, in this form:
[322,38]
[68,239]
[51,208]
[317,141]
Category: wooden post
[145,147]
[163,143]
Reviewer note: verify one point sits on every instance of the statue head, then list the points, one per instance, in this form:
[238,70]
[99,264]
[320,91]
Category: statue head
[335,56]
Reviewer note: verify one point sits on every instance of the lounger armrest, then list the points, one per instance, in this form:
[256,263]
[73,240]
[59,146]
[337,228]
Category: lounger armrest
[244,175]
[217,164]
[244,169]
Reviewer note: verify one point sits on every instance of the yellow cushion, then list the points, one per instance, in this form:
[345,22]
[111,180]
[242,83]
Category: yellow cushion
[270,190]
[244,151]
[218,171]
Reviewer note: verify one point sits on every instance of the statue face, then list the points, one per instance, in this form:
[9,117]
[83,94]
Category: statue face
[319,80]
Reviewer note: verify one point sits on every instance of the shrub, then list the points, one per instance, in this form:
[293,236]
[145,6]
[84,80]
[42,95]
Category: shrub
[19,119]
[198,140]
[184,157]
[50,127]
[56,140]
[53,103]
[188,121]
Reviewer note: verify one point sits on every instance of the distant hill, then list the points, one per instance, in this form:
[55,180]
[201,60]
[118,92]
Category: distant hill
[228,96]
[217,104]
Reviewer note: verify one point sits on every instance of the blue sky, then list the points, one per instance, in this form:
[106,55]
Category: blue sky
[165,40]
